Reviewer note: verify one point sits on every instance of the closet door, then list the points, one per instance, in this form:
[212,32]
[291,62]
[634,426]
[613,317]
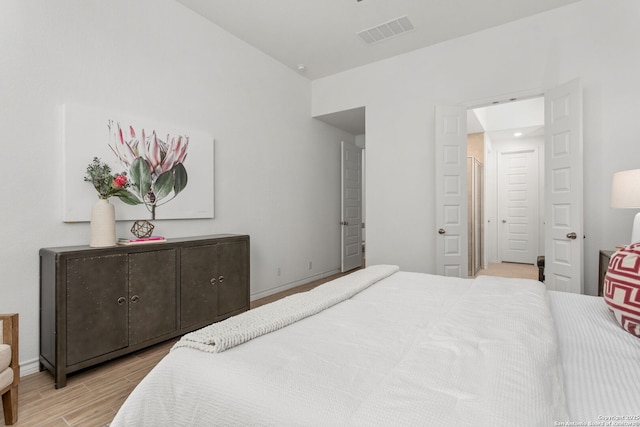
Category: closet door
[518,185]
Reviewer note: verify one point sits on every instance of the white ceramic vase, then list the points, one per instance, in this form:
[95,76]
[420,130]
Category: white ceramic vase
[103,224]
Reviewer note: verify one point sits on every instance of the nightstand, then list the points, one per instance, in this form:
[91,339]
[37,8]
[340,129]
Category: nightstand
[605,257]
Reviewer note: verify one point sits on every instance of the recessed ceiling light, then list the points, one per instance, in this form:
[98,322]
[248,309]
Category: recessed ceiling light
[517,134]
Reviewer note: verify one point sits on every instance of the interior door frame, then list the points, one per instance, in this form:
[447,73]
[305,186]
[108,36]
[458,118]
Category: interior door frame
[487,102]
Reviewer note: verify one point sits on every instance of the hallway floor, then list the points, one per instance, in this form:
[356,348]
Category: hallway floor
[510,269]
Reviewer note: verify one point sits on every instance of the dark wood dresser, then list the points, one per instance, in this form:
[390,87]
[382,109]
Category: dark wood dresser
[100,303]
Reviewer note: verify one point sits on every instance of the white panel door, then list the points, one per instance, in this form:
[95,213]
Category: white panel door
[563,188]
[518,206]
[351,222]
[451,191]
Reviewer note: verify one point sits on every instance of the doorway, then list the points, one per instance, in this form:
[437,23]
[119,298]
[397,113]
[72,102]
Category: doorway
[352,171]
[563,174]
[512,135]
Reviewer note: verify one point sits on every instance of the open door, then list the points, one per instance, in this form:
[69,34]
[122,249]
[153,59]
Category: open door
[563,188]
[451,191]
[351,222]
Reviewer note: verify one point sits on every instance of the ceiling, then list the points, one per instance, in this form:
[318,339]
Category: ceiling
[322,35]
[352,121]
[502,121]
[319,38]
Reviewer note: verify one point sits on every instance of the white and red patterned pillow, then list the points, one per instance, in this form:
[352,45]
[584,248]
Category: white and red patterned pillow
[622,288]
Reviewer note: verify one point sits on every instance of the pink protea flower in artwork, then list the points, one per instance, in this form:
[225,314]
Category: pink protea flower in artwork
[156,167]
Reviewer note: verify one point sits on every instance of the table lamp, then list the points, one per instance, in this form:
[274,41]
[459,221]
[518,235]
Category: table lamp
[625,193]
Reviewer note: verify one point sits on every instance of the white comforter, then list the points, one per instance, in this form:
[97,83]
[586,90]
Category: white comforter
[413,349]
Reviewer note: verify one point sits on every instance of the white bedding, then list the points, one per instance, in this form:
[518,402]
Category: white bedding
[600,360]
[271,317]
[413,349]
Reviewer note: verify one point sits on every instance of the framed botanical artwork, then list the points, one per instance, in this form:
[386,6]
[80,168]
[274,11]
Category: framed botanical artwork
[169,169]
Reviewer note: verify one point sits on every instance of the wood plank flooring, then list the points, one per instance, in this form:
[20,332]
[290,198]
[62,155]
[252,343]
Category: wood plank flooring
[511,269]
[92,397]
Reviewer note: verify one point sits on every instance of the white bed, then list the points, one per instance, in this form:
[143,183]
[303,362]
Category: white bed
[409,349]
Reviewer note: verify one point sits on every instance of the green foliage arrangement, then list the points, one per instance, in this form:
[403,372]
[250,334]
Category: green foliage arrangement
[108,184]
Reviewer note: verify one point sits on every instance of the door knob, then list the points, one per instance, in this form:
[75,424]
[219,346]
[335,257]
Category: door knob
[571,235]
[504,221]
[344,223]
[441,231]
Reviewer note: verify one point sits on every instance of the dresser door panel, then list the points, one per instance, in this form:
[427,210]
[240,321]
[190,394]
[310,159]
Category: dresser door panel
[233,290]
[97,320]
[152,295]
[198,285]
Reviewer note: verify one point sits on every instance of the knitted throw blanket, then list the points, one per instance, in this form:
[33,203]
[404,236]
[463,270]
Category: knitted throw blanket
[238,329]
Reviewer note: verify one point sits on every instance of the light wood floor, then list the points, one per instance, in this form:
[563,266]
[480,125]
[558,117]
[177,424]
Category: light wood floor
[510,269]
[92,397]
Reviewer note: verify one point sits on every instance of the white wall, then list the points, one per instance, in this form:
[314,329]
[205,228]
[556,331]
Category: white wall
[277,171]
[595,40]
[512,115]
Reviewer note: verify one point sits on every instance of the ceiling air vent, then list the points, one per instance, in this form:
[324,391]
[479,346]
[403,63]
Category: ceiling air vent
[387,30]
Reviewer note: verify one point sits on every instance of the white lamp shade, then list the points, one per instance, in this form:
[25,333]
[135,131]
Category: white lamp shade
[625,193]
[625,189]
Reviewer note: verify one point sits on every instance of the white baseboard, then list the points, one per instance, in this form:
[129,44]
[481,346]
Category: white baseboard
[29,367]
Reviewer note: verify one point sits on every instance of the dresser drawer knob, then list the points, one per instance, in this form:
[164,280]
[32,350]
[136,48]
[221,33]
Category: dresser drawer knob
[212,281]
[135,299]
[121,300]
[221,279]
